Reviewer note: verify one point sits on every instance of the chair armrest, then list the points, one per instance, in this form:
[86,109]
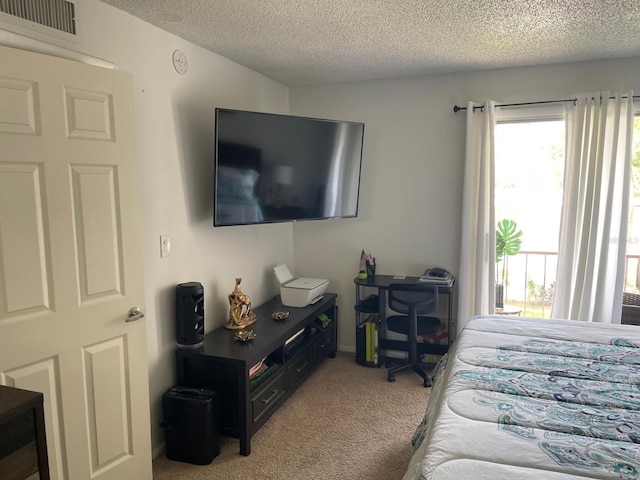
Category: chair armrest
[630,315]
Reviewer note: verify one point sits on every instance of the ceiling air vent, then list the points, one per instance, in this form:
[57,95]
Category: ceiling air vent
[59,15]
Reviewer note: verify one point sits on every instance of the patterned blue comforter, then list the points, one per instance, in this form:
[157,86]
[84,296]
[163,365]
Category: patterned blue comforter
[523,398]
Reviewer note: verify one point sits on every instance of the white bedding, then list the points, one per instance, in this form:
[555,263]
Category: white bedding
[521,398]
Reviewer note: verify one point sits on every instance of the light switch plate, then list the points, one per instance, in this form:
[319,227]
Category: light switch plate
[165,245]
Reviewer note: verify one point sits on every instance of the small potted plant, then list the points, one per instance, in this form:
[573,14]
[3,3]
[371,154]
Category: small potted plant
[507,243]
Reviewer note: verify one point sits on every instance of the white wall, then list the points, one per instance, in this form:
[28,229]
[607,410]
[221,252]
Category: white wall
[410,202]
[175,132]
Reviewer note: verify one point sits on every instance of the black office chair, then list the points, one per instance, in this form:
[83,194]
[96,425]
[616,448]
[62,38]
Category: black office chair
[414,300]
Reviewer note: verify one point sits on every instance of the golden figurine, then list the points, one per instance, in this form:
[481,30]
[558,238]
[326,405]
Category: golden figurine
[240,313]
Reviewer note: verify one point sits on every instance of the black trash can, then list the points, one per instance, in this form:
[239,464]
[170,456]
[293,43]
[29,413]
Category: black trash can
[191,424]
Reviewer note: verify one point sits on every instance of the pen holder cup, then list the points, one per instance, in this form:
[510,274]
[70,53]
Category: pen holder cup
[371,270]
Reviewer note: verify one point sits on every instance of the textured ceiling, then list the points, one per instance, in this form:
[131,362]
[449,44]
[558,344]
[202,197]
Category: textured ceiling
[302,42]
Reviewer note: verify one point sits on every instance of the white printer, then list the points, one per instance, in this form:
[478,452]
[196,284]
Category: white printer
[299,292]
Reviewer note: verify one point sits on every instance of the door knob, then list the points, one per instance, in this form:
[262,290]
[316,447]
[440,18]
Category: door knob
[135,314]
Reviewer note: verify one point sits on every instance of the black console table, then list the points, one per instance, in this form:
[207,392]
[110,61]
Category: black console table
[381,284]
[223,363]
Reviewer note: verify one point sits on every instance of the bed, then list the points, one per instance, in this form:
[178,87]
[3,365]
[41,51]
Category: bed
[522,398]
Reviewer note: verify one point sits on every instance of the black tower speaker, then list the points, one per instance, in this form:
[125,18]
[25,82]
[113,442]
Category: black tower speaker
[191,424]
[189,315]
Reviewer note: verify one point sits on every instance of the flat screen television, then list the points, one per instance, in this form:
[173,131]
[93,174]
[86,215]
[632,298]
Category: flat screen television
[281,168]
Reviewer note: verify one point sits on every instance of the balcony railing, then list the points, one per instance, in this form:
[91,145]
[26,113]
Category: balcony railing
[530,284]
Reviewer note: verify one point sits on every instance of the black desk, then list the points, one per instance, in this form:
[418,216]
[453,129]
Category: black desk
[381,283]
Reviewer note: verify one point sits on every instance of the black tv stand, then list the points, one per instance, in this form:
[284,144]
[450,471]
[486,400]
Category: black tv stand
[223,363]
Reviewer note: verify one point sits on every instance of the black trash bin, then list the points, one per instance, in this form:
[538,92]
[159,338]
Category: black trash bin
[191,424]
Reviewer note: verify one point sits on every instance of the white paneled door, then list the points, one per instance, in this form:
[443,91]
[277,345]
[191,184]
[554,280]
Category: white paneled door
[70,262]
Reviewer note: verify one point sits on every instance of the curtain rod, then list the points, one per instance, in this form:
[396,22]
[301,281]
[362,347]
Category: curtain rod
[457,108]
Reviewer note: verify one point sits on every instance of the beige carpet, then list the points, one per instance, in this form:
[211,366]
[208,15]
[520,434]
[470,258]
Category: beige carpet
[344,422]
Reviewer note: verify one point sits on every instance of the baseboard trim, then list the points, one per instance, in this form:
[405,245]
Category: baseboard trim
[158,451]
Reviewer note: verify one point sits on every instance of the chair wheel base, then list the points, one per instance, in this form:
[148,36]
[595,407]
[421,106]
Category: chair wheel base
[415,367]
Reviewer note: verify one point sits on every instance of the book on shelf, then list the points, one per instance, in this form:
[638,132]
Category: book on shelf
[371,340]
[258,368]
[294,341]
[368,356]
[375,343]
[429,358]
[293,337]
[361,343]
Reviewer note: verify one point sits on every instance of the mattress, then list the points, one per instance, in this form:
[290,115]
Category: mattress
[523,398]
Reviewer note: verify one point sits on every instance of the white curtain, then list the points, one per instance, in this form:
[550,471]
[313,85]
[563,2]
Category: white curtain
[593,229]
[477,256]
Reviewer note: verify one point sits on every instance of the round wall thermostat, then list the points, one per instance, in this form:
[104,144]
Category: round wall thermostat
[180,62]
